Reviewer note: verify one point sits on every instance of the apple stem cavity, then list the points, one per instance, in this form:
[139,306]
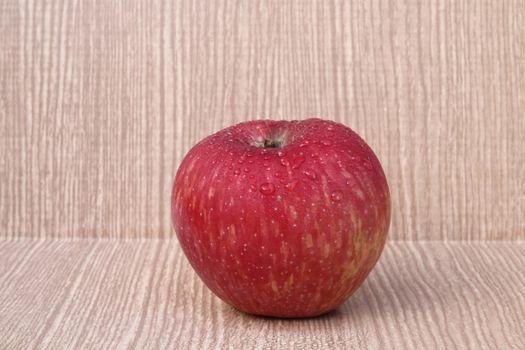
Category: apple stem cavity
[272,144]
[274,141]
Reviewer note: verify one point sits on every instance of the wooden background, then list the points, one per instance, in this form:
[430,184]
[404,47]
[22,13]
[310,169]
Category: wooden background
[100,100]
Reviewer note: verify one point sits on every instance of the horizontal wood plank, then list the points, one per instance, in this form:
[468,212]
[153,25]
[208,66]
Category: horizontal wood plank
[102,294]
[100,100]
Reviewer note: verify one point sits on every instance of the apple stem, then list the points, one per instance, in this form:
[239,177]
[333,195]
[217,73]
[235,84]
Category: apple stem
[272,143]
[276,140]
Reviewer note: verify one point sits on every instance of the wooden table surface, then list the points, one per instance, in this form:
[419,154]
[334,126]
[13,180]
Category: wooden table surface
[103,294]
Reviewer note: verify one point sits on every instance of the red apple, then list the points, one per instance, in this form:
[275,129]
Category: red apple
[282,218]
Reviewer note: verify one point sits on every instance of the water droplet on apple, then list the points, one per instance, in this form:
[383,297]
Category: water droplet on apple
[267,188]
[367,164]
[284,162]
[326,142]
[291,185]
[280,153]
[297,162]
[246,170]
[309,173]
[236,171]
[278,175]
[314,155]
[253,187]
[336,196]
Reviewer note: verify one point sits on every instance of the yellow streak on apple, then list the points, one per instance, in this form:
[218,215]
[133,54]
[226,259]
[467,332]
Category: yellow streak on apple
[309,241]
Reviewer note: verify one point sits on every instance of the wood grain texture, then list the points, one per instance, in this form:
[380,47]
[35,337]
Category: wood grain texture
[102,294]
[100,100]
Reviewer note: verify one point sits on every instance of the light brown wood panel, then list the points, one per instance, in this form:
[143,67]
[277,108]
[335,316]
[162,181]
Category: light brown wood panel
[103,294]
[100,100]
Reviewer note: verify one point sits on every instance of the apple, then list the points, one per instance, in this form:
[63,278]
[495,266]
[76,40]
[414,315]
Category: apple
[282,218]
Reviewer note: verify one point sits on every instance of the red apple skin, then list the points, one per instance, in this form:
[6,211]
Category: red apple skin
[289,231]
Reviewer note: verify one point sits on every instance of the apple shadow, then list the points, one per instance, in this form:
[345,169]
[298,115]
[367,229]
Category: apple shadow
[397,295]
[324,316]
